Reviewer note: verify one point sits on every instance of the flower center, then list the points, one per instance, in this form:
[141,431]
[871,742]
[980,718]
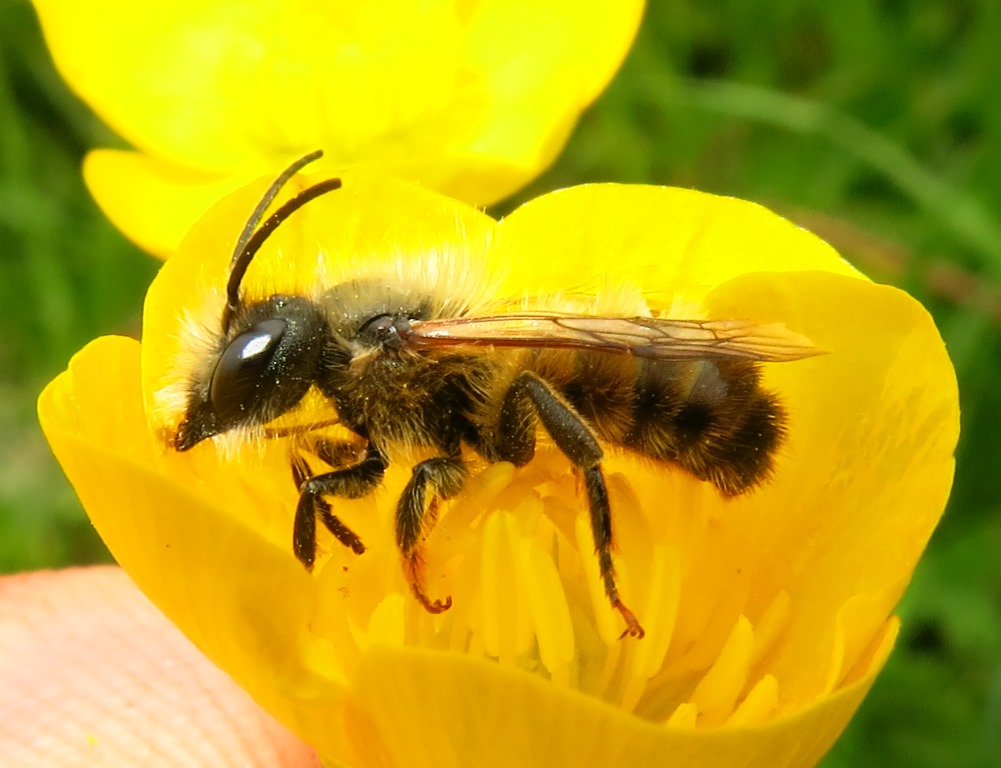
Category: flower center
[516,555]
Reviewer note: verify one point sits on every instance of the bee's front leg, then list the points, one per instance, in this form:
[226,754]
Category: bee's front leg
[432,481]
[351,483]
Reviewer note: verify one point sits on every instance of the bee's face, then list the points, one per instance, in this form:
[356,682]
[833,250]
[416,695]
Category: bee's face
[265,365]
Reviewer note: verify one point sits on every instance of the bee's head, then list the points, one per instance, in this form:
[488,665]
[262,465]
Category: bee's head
[269,350]
[267,363]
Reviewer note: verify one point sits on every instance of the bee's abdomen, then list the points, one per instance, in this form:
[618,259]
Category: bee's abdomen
[709,417]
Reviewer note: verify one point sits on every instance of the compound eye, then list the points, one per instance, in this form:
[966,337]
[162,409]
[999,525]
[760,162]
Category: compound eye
[241,375]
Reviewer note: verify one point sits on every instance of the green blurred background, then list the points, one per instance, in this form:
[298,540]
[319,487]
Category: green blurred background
[876,124]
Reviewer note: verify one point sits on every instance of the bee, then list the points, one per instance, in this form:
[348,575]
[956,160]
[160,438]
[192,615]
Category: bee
[401,369]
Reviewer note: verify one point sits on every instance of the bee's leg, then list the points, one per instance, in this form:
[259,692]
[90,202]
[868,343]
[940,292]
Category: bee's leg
[432,481]
[529,399]
[351,482]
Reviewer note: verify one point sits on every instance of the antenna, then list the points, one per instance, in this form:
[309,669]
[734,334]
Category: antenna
[254,236]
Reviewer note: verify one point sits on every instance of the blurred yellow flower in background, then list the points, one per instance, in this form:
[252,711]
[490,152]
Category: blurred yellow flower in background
[767,617]
[473,99]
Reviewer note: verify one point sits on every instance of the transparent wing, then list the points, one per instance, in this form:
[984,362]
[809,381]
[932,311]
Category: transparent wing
[651,337]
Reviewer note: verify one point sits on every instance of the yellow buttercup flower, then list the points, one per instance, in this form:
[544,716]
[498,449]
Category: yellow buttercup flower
[767,616]
[471,99]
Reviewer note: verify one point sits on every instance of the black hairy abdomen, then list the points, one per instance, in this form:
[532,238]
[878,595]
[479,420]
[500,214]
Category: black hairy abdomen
[710,417]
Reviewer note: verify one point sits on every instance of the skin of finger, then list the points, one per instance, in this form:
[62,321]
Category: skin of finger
[92,674]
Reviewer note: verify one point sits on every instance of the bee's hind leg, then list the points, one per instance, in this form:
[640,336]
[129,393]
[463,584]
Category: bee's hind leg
[531,398]
[350,482]
[432,481]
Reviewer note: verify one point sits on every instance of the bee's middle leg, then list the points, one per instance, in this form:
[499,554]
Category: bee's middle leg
[350,482]
[531,399]
[432,481]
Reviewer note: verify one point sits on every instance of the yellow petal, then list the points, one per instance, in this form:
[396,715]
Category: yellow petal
[525,721]
[471,99]
[155,74]
[669,245]
[152,201]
